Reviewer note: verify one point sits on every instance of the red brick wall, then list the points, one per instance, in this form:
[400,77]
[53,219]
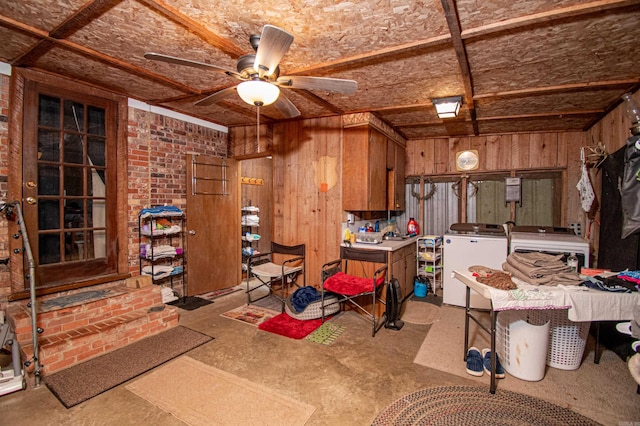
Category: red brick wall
[157,174]
[156,155]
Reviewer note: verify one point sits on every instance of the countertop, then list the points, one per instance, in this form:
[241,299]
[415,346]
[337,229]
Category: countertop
[387,245]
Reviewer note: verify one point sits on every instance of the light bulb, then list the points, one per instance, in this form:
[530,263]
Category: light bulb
[632,108]
[258,92]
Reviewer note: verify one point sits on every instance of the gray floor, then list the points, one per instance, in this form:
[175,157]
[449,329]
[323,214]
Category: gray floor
[348,382]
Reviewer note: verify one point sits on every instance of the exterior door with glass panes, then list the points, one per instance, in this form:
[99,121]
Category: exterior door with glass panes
[67,183]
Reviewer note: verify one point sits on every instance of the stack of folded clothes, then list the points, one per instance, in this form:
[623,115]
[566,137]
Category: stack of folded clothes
[541,269]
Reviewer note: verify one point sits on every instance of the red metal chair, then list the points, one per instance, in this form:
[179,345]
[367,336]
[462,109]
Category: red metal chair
[353,289]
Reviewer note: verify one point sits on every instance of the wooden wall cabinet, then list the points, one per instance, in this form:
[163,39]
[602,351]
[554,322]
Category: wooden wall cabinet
[373,171]
[364,170]
[396,164]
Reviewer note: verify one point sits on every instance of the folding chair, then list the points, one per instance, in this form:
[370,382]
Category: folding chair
[348,288]
[268,273]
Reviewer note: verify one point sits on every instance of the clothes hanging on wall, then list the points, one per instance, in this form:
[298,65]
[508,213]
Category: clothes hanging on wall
[587,195]
[614,252]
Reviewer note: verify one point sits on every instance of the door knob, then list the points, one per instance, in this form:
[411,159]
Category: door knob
[30,184]
[31,200]
[192,232]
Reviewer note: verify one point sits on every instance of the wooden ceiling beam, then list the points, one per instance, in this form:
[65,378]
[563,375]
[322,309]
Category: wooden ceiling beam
[377,56]
[179,98]
[312,97]
[406,108]
[453,22]
[81,17]
[560,88]
[140,72]
[195,27]
[540,115]
[5,21]
[611,107]
[47,42]
[418,124]
[546,17]
[247,111]
[25,58]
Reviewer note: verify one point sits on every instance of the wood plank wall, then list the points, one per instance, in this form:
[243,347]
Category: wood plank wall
[307,194]
[506,154]
[302,213]
[429,157]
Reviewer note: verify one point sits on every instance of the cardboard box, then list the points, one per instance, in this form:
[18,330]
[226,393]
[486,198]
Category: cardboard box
[139,281]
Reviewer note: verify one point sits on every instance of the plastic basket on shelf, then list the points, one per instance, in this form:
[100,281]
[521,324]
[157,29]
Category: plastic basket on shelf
[567,339]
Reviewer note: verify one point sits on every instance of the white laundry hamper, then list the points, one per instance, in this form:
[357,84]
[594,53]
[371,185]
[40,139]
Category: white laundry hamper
[522,344]
[567,339]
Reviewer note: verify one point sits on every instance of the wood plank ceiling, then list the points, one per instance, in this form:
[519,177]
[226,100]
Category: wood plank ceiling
[520,65]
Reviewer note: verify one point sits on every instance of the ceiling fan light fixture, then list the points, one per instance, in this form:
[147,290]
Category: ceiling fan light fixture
[447,107]
[258,92]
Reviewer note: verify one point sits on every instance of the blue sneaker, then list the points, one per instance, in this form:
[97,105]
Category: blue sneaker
[474,362]
[486,358]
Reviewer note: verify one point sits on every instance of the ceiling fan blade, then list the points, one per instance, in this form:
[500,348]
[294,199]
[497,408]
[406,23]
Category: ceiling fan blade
[274,43]
[217,96]
[337,85]
[189,63]
[286,107]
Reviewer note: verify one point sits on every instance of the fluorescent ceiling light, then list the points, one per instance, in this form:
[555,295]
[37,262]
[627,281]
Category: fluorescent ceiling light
[258,92]
[447,107]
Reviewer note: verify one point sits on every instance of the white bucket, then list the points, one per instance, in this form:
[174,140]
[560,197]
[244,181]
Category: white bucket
[522,346]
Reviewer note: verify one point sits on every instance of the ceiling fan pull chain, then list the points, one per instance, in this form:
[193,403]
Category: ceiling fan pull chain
[258,129]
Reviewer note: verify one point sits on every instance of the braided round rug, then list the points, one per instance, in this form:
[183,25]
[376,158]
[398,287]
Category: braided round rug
[473,405]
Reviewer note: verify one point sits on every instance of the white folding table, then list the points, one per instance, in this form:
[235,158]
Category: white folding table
[583,304]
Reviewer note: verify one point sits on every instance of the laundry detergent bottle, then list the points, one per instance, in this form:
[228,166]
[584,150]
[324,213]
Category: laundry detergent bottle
[413,227]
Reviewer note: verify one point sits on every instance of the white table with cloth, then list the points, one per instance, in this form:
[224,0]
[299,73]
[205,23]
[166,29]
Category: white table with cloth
[582,303]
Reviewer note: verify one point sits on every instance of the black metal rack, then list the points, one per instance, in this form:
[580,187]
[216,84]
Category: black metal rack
[152,257]
[248,245]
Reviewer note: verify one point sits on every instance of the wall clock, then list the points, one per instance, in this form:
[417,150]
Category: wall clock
[467,160]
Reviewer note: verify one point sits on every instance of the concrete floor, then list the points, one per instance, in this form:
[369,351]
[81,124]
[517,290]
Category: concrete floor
[349,382]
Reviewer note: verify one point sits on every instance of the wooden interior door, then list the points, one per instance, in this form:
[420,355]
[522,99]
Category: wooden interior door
[213,224]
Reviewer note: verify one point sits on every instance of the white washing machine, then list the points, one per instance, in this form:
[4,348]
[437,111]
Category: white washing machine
[467,249]
[549,242]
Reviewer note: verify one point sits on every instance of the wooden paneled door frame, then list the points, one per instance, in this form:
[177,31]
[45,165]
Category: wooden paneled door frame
[213,224]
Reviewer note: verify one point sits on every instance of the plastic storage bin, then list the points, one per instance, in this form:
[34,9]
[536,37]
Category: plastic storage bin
[567,339]
[522,344]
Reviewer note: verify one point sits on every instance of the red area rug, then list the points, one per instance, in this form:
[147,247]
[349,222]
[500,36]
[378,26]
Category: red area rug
[287,326]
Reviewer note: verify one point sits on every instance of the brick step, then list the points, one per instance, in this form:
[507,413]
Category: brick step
[71,347]
[85,330]
[119,301]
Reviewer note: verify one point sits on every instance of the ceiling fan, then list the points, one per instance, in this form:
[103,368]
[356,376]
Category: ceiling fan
[260,74]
